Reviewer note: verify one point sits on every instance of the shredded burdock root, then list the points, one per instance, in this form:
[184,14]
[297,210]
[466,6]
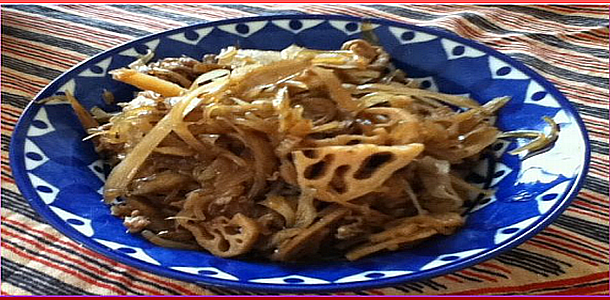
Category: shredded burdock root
[289,155]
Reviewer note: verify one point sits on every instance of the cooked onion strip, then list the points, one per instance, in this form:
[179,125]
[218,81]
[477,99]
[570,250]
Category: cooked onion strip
[83,115]
[147,82]
[540,139]
[125,171]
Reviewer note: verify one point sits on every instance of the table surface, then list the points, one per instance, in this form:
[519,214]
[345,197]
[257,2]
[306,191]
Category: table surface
[566,44]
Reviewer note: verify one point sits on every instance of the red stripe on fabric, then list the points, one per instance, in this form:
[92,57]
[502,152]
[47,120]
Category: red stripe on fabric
[535,243]
[376,292]
[6,168]
[557,56]
[67,35]
[583,40]
[594,197]
[563,9]
[504,17]
[44,53]
[587,209]
[598,165]
[595,161]
[453,278]
[80,262]
[7,127]
[577,210]
[69,27]
[510,21]
[581,291]
[585,90]
[477,275]
[570,246]
[124,17]
[596,172]
[585,204]
[70,30]
[132,270]
[205,11]
[9,180]
[540,285]
[587,99]
[9,78]
[20,77]
[18,43]
[600,124]
[494,266]
[30,54]
[15,110]
[18,88]
[65,270]
[593,127]
[24,87]
[9,118]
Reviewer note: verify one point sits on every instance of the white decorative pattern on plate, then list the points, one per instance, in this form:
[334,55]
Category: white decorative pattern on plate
[406,36]
[291,279]
[501,70]
[134,252]
[98,70]
[41,124]
[82,225]
[67,87]
[537,95]
[349,27]
[97,167]
[46,191]
[151,45]
[34,157]
[547,199]
[509,231]
[297,26]
[371,275]
[451,257]
[486,201]
[207,271]
[455,50]
[500,172]
[191,37]
[499,148]
[243,29]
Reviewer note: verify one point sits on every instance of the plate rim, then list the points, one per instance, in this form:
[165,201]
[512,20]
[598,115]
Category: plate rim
[23,183]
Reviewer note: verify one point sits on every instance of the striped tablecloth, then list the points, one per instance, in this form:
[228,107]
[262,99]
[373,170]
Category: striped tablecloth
[567,44]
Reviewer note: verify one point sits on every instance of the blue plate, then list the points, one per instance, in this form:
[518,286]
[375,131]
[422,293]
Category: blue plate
[62,177]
